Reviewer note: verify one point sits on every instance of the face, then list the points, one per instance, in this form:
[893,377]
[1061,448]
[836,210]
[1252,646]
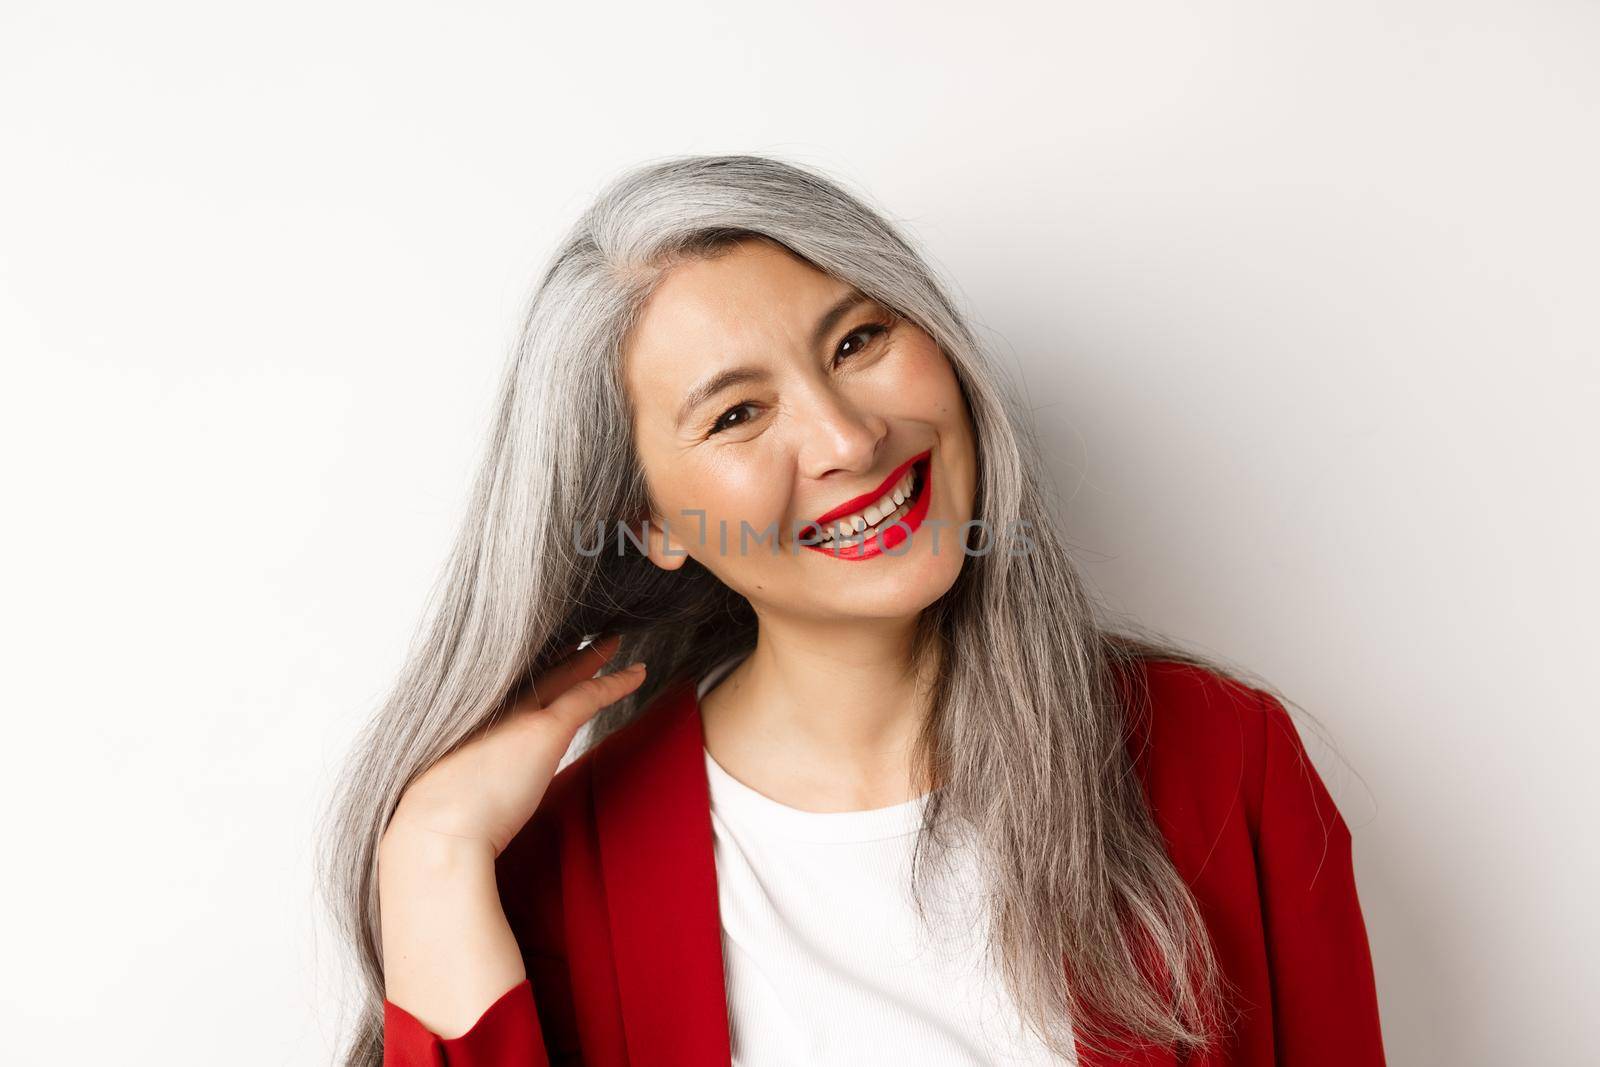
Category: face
[768,395]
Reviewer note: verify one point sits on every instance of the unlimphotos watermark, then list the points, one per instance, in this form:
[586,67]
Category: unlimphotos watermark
[591,541]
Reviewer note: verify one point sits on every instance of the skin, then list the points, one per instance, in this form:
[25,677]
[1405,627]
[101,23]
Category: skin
[827,424]
[448,951]
[822,715]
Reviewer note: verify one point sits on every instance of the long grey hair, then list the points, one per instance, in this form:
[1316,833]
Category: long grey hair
[1027,736]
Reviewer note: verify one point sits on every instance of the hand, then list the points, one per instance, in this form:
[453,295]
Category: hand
[486,790]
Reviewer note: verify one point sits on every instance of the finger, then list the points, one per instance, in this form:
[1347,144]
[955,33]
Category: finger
[575,668]
[584,699]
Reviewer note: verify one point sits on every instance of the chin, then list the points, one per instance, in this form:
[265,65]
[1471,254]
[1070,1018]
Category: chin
[901,594]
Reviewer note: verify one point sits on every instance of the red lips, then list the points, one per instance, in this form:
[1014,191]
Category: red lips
[855,504]
[888,538]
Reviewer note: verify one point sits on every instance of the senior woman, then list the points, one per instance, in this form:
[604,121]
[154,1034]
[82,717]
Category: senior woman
[879,783]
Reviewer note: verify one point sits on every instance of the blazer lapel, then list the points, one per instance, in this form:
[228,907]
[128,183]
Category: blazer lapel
[653,813]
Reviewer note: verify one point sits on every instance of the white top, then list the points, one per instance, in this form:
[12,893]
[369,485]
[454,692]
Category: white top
[826,960]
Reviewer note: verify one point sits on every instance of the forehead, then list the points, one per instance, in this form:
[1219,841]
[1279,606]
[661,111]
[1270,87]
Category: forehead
[712,313]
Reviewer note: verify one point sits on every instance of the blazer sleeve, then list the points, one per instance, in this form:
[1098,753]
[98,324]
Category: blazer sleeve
[507,1034]
[1324,997]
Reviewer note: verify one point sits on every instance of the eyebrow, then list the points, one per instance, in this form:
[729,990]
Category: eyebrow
[739,375]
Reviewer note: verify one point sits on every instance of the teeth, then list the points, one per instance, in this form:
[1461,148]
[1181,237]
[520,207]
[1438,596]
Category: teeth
[874,513]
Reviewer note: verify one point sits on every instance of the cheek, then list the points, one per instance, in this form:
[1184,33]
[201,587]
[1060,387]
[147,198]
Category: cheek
[729,491]
[925,384]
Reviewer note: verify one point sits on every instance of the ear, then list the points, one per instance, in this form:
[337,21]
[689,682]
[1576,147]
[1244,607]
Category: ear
[663,543]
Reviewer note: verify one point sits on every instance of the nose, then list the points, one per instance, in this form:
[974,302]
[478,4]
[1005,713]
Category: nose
[839,437]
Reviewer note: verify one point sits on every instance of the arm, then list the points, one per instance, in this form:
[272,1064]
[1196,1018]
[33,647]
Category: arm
[1324,998]
[449,951]
[455,985]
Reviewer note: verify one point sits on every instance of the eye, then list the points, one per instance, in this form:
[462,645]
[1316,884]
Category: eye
[855,341]
[720,424]
[869,331]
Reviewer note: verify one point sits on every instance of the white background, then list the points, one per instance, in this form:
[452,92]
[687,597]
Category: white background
[1303,295]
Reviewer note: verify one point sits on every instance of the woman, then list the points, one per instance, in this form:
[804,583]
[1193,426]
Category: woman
[888,790]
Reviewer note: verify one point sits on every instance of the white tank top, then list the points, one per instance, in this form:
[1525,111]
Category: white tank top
[826,960]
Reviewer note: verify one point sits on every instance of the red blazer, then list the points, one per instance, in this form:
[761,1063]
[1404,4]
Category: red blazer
[611,892]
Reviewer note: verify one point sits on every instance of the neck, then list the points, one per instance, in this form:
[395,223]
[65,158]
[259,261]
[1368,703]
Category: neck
[823,716]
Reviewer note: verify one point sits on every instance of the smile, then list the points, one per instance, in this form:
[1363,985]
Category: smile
[863,527]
